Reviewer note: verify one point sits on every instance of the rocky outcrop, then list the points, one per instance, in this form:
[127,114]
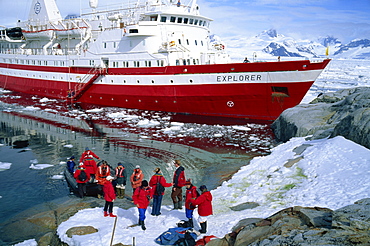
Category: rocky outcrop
[304,226]
[345,113]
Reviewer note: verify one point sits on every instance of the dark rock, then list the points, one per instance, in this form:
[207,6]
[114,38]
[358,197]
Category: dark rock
[243,206]
[81,230]
[345,113]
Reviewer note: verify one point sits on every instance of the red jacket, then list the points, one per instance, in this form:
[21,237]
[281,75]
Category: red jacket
[179,177]
[190,196]
[142,196]
[154,180]
[204,203]
[109,193]
[88,154]
[77,172]
[87,158]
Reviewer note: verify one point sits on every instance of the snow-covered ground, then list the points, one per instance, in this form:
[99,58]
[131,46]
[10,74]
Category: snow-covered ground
[332,173]
[328,173]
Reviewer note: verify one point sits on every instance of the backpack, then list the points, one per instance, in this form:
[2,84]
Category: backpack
[187,240]
[82,176]
[172,235]
[159,188]
[183,224]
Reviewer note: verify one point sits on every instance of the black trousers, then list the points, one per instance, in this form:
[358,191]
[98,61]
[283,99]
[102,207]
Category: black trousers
[108,207]
[81,189]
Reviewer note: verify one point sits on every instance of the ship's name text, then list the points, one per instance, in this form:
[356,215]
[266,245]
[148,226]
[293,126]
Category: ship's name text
[246,77]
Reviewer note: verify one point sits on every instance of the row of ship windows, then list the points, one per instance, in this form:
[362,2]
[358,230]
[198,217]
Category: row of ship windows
[115,64]
[78,79]
[183,20]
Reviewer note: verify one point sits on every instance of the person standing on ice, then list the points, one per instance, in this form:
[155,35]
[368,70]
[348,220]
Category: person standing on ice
[204,203]
[87,158]
[178,183]
[136,178]
[158,195]
[190,195]
[109,196]
[141,198]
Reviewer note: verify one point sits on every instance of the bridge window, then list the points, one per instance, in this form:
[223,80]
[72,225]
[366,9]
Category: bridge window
[179,20]
[163,18]
[200,23]
[153,18]
[172,19]
[196,22]
[186,20]
[191,21]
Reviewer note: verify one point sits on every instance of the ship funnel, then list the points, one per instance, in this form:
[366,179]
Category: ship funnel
[93,4]
[43,12]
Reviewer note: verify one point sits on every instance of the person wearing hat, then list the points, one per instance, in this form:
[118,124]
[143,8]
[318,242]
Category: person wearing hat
[178,183]
[109,196]
[82,177]
[156,181]
[204,203]
[136,178]
[71,164]
[87,158]
[121,180]
[190,195]
[141,198]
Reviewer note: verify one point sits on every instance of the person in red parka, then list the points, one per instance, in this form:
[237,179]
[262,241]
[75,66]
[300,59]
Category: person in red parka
[157,198]
[190,195]
[178,182]
[204,203]
[87,158]
[81,184]
[141,198]
[109,196]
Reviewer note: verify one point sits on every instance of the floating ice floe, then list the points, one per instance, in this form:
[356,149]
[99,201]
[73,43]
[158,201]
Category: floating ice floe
[68,146]
[40,166]
[4,166]
[57,177]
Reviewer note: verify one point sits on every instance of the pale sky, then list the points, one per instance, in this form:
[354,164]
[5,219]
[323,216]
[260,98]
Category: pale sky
[303,19]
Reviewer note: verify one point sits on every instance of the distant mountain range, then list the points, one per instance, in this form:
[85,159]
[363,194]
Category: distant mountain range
[269,44]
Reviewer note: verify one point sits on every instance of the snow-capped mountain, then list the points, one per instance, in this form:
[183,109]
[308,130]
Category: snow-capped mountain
[270,44]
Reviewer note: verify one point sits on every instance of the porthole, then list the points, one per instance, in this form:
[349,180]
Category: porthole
[191,81]
[138,81]
[171,81]
[152,81]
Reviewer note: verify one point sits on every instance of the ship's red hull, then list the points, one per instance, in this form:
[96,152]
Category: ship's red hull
[229,95]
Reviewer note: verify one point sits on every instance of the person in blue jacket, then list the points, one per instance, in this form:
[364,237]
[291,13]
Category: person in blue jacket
[71,164]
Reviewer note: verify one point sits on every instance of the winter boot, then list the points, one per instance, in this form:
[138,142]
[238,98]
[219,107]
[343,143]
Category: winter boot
[175,205]
[203,227]
[180,205]
[105,214]
[191,224]
[141,222]
[112,215]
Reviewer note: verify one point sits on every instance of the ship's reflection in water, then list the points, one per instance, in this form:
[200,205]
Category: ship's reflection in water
[45,133]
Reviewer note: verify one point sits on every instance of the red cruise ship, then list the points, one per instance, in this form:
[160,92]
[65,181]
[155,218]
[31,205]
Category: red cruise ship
[150,55]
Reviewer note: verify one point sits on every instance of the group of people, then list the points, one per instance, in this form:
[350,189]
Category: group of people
[143,191]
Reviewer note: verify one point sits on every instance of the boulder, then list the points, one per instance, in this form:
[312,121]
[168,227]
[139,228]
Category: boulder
[345,113]
[81,230]
[304,226]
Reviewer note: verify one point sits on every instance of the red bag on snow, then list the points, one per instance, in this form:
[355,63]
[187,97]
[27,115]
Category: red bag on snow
[203,241]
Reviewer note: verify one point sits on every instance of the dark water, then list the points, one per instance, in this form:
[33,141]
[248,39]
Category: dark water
[51,134]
